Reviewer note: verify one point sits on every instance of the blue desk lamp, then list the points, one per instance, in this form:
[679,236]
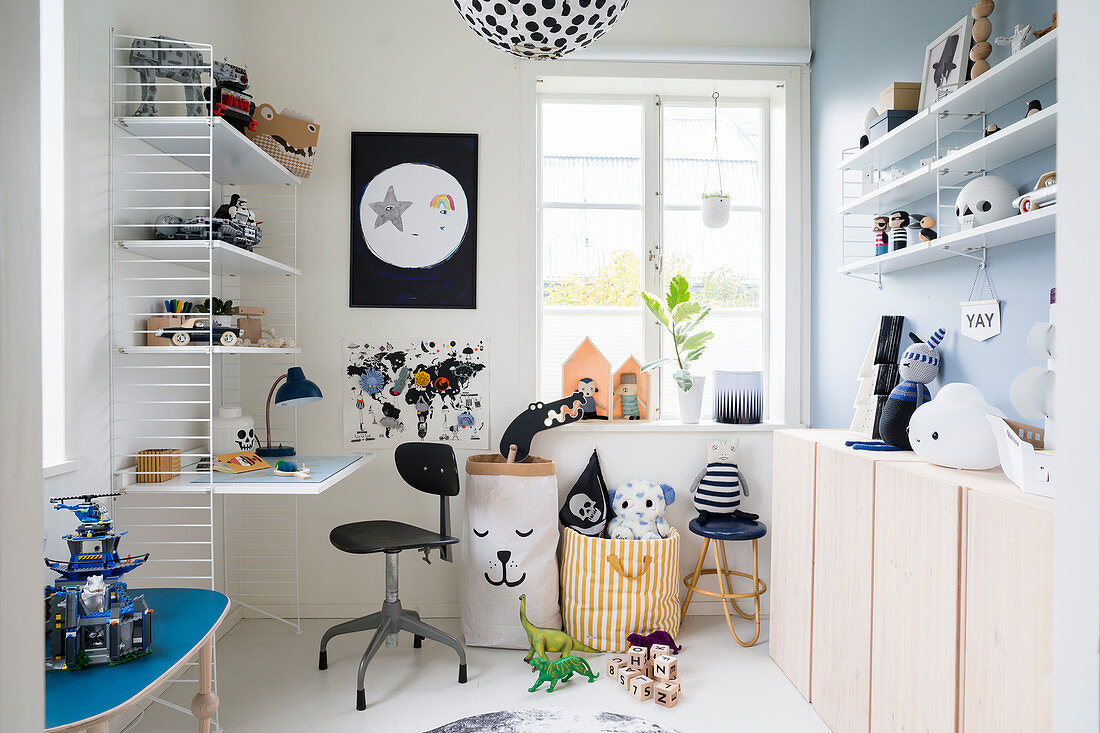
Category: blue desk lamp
[297,391]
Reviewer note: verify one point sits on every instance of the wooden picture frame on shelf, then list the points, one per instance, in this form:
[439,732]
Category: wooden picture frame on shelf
[588,362]
[644,404]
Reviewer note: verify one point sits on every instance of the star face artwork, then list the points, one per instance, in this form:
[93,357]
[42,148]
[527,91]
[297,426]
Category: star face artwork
[413,220]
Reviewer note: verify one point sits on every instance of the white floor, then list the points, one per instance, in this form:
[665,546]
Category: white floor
[268,681]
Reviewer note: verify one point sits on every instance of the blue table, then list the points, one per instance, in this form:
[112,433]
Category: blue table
[184,621]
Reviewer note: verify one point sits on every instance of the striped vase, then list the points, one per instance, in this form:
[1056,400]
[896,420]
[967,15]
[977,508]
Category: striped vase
[738,397]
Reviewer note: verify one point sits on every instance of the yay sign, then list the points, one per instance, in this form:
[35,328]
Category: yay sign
[981,319]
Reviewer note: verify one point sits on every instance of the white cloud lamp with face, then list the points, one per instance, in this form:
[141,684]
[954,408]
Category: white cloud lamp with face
[414,215]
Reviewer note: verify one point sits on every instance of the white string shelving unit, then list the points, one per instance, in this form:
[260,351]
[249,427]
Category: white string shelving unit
[185,162]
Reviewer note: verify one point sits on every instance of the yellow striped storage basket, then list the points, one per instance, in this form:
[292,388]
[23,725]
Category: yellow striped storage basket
[613,588]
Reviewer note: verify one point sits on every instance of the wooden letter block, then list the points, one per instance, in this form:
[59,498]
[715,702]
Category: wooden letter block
[637,656]
[666,694]
[664,668]
[658,650]
[626,674]
[613,666]
[641,688]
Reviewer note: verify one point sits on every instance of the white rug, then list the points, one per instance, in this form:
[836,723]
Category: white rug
[544,721]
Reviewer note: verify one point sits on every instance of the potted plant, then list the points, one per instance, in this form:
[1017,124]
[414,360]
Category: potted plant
[716,210]
[222,312]
[681,317]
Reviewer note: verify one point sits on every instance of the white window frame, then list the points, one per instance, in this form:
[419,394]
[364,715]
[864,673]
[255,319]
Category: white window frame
[785,291]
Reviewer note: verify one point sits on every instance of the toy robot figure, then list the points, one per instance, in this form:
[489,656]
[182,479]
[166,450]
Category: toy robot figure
[167,58]
[236,210]
[899,237]
[879,227]
[588,388]
[627,397]
[231,101]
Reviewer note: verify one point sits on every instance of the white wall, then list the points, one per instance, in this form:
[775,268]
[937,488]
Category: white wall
[377,71]
[20,384]
[1076,621]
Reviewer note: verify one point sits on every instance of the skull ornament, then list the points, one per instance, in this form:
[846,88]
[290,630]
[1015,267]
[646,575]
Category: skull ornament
[984,201]
[584,508]
[246,439]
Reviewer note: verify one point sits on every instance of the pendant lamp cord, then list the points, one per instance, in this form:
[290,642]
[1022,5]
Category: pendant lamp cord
[714,149]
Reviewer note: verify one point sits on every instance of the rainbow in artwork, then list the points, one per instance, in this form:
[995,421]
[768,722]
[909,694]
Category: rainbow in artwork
[443,200]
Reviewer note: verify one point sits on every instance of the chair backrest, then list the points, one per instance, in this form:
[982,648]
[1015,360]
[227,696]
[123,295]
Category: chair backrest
[428,467]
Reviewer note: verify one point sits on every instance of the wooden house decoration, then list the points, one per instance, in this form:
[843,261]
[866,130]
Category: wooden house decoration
[631,366]
[587,362]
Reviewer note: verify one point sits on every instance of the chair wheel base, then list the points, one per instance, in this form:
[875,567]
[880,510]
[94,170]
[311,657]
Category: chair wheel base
[417,641]
[322,660]
[361,700]
[462,674]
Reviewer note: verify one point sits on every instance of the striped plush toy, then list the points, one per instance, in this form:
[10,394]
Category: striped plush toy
[719,486]
[919,365]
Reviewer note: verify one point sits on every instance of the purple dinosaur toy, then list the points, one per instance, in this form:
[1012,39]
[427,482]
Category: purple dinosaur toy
[657,637]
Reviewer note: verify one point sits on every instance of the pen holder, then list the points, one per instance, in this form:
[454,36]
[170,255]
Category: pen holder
[166,321]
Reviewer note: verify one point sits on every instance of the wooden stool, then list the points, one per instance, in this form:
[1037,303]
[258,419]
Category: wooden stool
[721,530]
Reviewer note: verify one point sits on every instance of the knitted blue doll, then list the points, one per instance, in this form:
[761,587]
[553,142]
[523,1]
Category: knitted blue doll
[919,365]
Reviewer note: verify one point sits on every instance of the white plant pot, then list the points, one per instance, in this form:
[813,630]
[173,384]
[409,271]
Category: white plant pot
[716,211]
[691,402]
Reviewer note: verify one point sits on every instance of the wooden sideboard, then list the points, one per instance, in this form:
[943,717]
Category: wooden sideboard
[906,596]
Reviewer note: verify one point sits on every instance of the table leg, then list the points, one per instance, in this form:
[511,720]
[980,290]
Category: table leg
[98,728]
[205,702]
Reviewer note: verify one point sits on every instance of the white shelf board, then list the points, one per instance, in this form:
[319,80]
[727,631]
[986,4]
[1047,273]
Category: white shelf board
[1025,137]
[1034,66]
[184,484]
[198,349]
[228,260]
[237,160]
[1013,229]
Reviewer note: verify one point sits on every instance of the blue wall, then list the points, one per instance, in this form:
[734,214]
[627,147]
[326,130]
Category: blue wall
[861,46]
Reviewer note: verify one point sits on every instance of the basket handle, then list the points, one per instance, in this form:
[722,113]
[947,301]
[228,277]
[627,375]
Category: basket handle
[617,566]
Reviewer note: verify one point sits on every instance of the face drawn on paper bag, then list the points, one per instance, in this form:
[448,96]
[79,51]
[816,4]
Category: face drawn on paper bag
[502,569]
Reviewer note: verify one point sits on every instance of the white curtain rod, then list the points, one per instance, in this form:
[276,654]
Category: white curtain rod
[694,54]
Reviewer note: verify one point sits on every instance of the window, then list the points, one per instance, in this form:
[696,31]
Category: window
[606,232]
[52,84]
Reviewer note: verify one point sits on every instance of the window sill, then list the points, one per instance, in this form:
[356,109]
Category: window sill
[670,426]
[59,469]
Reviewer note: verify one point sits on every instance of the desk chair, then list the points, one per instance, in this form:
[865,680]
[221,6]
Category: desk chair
[429,468]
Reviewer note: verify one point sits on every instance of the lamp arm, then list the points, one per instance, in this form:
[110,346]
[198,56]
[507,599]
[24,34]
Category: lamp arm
[270,394]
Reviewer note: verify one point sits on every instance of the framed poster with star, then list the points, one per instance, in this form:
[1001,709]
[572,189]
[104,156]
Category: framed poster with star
[413,220]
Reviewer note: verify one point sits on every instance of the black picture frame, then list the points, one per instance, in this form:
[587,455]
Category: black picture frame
[377,283]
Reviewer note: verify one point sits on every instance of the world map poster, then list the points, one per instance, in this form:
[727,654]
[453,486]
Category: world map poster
[399,391]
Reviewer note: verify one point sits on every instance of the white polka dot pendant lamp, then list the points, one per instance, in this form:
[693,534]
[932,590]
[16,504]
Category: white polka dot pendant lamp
[540,29]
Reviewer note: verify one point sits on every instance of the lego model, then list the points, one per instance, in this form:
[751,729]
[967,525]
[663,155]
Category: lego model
[236,231]
[200,329]
[167,58]
[1045,194]
[231,100]
[90,616]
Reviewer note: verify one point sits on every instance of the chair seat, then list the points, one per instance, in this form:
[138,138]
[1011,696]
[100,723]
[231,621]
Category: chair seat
[384,536]
[729,528]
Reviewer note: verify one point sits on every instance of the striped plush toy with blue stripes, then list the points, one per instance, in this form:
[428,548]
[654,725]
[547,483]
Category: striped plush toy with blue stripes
[719,486]
[918,366]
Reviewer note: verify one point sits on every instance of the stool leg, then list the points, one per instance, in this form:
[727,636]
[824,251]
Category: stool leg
[725,569]
[385,628]
[756,590]
[348,627]
[723,588]
[424,631]
[694,578]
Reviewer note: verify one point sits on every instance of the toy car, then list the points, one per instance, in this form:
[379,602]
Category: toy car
[200,329]
[1045,193]
[245,236]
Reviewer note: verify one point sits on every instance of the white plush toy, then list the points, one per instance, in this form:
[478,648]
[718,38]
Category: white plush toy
[639,508]
[952,430]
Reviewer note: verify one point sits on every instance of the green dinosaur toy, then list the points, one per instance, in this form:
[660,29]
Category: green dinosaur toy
[560,670]
[542,640]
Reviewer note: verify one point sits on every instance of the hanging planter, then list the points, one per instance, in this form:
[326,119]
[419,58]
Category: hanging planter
[716,204]
[716,210]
